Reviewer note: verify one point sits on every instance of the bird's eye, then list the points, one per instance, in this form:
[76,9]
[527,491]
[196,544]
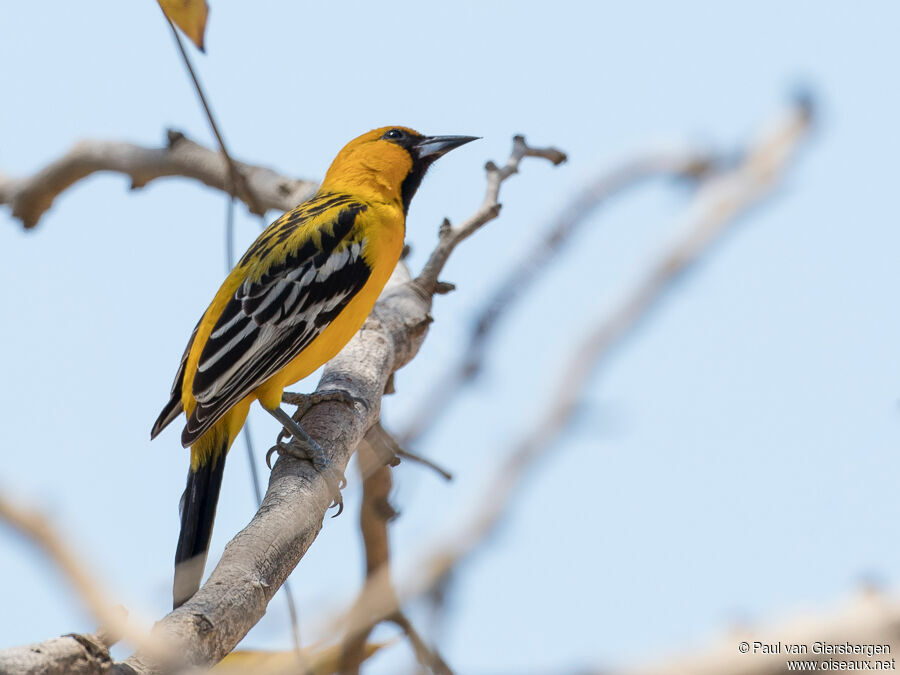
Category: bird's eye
[394,135]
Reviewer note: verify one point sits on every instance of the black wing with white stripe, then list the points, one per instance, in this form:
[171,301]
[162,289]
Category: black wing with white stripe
[267,323]
[174,408]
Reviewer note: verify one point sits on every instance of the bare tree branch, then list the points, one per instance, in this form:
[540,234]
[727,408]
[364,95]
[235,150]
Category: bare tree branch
[449,236]
[31,196]
[66,655]
[717,204]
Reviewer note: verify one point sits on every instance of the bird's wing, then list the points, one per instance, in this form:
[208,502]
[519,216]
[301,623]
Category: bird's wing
[270,320]
[174,408]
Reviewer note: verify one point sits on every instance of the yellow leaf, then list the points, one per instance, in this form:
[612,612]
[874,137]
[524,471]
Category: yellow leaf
[189,16]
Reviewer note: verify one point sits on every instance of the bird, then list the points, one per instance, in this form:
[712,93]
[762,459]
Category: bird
[291,303]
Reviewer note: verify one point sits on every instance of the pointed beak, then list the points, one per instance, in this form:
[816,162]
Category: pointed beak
[432,147]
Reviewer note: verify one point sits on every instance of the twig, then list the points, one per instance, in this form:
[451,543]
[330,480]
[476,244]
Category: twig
[685,163]
[424,461]
[450,236]
[718,203]
[426,656]
[391,450]
[31,196]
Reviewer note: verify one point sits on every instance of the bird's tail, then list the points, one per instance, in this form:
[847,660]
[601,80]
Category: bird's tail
[198,512]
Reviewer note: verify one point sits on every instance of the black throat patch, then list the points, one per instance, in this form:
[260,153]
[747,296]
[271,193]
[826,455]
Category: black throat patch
[413,180]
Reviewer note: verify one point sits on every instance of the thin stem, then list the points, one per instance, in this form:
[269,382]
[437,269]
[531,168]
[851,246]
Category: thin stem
[229,250]
[233,173]
[235,179]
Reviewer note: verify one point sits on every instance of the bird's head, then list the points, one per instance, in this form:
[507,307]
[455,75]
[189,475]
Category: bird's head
[388,163]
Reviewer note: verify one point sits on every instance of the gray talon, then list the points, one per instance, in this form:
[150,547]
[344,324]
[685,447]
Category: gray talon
[300,450]
[306,401]
[303,446]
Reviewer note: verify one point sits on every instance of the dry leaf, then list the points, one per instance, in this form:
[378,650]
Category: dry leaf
[189,16]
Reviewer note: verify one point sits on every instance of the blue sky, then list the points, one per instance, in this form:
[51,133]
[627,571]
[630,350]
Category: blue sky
[737,458]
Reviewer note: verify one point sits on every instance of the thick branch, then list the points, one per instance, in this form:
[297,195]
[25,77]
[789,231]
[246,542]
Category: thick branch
[31,196]
[66,655]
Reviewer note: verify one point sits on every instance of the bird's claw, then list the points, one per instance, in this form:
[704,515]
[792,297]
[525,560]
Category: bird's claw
[306,401]
[271,452]
[336,482]
[316,456]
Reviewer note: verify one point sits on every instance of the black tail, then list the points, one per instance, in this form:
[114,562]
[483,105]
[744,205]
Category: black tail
[198,512]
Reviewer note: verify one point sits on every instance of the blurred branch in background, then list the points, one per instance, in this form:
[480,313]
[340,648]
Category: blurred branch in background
[315,661]
[30,197]
[71,653]
[718,203]
[685,163]
[376,456]
[871,618]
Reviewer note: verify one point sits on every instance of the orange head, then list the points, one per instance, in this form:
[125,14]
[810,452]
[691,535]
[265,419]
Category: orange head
[387,164]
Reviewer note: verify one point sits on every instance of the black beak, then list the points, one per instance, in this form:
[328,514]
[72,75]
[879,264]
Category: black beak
[432,147]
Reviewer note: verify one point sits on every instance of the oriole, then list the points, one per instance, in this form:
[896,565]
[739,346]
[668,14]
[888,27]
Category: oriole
[295,298]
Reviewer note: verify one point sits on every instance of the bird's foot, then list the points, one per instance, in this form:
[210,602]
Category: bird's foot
[306,401]
[299,449]
[303,446]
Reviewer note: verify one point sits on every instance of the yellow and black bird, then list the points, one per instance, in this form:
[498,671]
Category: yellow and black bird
[296,297]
